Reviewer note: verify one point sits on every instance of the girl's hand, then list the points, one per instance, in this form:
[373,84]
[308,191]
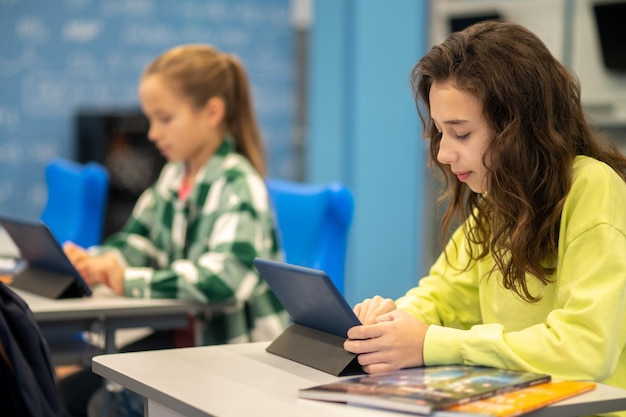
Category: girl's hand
[101,269]
[80,258]
[370,309]
[396,341]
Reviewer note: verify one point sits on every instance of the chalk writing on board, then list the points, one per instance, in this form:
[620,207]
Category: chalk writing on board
[59,57]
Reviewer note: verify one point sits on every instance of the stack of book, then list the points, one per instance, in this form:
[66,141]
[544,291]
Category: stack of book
[522,401]
[455,389]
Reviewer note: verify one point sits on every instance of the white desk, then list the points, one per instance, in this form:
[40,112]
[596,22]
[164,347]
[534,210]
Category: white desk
[244,380]
[60,319]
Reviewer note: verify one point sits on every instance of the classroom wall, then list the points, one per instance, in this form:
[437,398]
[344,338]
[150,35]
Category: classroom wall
[604,91]
[58,57]
[364,132]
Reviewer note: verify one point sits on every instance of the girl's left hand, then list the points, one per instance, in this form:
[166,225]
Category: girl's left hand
[369,310]
[396,341]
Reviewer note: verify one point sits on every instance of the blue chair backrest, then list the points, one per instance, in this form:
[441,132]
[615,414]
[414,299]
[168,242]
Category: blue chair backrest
[77,197]
[314,223]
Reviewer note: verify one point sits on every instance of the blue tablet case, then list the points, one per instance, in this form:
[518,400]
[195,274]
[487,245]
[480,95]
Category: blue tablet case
[47,271]
[321,318]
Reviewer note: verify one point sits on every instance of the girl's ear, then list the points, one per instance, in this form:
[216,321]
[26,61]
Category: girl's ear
[214,111]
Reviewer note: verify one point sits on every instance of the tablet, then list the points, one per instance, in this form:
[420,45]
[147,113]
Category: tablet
[47,269]
[309,296]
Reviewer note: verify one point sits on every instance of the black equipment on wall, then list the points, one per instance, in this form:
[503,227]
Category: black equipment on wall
[119,141]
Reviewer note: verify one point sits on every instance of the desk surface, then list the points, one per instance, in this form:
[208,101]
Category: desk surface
[102,304]
[240,380]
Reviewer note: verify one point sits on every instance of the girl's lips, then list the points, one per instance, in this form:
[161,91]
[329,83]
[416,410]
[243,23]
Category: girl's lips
[462,176]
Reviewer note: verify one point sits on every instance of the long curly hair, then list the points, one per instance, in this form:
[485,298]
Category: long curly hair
[533,105]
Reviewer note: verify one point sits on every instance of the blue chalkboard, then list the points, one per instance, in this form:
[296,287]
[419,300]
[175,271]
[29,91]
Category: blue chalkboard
[57,57]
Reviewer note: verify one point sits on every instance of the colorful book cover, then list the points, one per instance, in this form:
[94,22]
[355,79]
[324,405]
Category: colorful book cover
[525,400]
[423,390]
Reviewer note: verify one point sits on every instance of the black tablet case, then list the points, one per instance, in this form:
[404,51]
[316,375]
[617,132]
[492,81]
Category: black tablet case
[321,318]
[47,270]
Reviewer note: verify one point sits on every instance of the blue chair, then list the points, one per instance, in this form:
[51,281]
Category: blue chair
[313,222]
[77,197]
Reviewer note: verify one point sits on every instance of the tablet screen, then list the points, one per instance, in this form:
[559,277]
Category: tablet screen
[40,249]
[309,296]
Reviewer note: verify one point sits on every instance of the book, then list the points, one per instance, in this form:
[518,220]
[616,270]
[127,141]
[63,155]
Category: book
[525,400]
[423,390]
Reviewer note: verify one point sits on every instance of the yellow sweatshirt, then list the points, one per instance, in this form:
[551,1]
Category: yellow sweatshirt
[578,328]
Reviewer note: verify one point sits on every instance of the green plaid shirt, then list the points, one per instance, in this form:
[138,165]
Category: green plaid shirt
[202,248]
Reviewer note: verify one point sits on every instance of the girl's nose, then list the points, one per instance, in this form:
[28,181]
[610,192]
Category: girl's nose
[152,133]
[446,154]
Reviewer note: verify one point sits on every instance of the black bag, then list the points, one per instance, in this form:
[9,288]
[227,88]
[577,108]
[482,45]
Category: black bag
[27,381]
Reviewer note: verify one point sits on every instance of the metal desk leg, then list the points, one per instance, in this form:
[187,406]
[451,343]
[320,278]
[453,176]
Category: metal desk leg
[113,390]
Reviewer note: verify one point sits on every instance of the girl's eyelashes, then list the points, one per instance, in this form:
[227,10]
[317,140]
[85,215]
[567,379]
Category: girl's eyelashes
[450,132]
[455,135]
[159,119]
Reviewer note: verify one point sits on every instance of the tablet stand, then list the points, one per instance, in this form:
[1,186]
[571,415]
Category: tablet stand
[317,349]
[46,282]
